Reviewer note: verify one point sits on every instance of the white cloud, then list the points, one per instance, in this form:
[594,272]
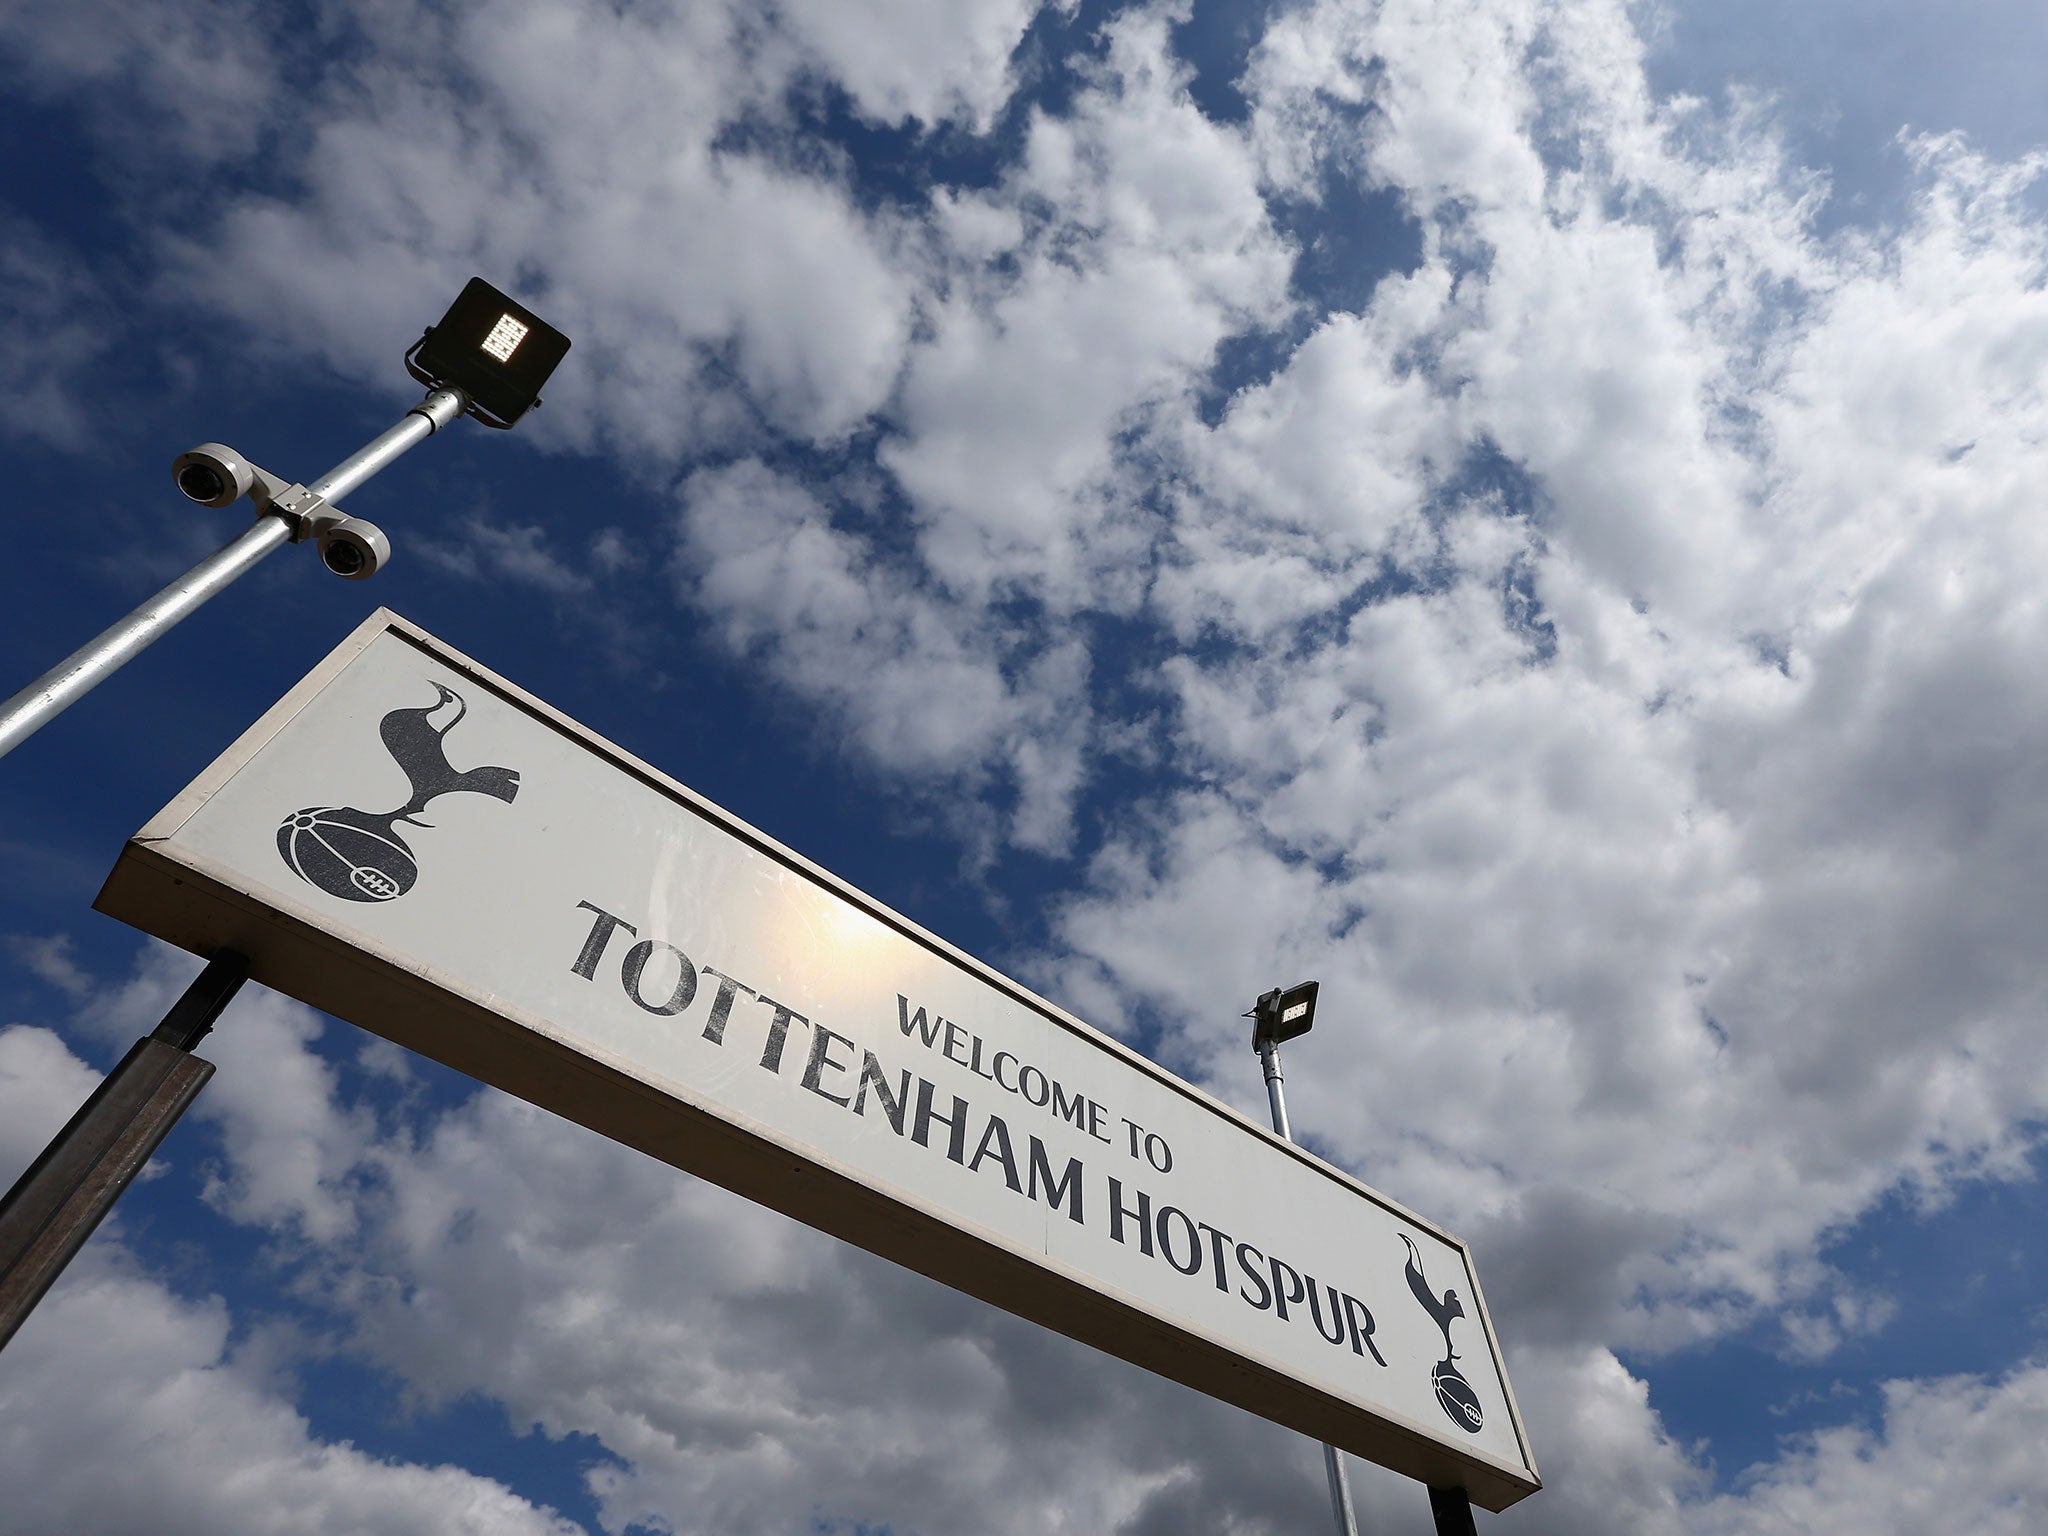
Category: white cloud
[188,1438]
[676,263]
[923,60]
[41,1084]
[288,1150]
[758,553]
[1845,89]
[189,1433]
[1607,1463]
[517,555]
[1608,897]
[58,325]
[1145,243]
[53,960]
[592,1291]
[743,1373]
[197,81]
[1953,1453]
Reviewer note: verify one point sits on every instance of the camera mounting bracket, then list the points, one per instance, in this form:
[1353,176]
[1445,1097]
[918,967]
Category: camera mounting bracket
[305,511]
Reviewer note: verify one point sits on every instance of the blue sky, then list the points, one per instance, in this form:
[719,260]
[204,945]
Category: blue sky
[1527,511]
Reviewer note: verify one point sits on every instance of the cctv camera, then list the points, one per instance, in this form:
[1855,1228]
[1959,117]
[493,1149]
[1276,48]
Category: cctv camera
[352,548]
[213,474]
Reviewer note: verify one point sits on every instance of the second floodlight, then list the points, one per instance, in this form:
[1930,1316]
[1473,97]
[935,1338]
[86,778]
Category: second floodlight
[494,349]
[1284,1015]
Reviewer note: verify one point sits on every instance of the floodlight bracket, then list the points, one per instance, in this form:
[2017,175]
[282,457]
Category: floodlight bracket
[470,408]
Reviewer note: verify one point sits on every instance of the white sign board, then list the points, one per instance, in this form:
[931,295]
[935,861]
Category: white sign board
[415,845]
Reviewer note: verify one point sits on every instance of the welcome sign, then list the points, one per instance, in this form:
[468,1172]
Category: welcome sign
[415,845]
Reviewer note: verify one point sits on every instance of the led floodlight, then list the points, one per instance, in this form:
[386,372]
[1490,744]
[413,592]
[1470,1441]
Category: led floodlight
[492,348]
[1279,1015]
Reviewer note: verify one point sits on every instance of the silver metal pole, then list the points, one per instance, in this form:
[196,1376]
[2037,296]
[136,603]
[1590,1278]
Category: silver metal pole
[84,669]
[418,424]
[1340,1492]
[91,664]
[1269,1058]
[1333,1465]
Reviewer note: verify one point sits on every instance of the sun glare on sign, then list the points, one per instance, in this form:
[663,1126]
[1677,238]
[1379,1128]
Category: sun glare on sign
[504,338]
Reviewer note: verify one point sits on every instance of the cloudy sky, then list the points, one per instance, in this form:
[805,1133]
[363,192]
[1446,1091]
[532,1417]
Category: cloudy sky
[1527,511]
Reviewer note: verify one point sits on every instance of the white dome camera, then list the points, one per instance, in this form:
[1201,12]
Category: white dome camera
[213,474]
[352,548]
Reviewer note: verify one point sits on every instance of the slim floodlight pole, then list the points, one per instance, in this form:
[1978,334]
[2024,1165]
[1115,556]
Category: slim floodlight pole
[417,425]
[1333,1465]
[288,513]
[1276,1097]
[88,666]
[1279,1016]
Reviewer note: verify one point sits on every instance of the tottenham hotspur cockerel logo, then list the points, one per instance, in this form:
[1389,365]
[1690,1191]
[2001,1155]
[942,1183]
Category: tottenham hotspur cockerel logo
[1454,1393]
[358,855]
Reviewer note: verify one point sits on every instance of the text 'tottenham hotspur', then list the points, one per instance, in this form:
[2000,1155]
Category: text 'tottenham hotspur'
[659,978]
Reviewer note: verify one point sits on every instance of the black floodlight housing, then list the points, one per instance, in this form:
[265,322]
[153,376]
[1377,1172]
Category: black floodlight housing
[492,348]
[1280,1016]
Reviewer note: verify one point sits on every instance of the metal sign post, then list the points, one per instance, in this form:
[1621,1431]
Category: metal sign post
[66,1193]
[1452,1510]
